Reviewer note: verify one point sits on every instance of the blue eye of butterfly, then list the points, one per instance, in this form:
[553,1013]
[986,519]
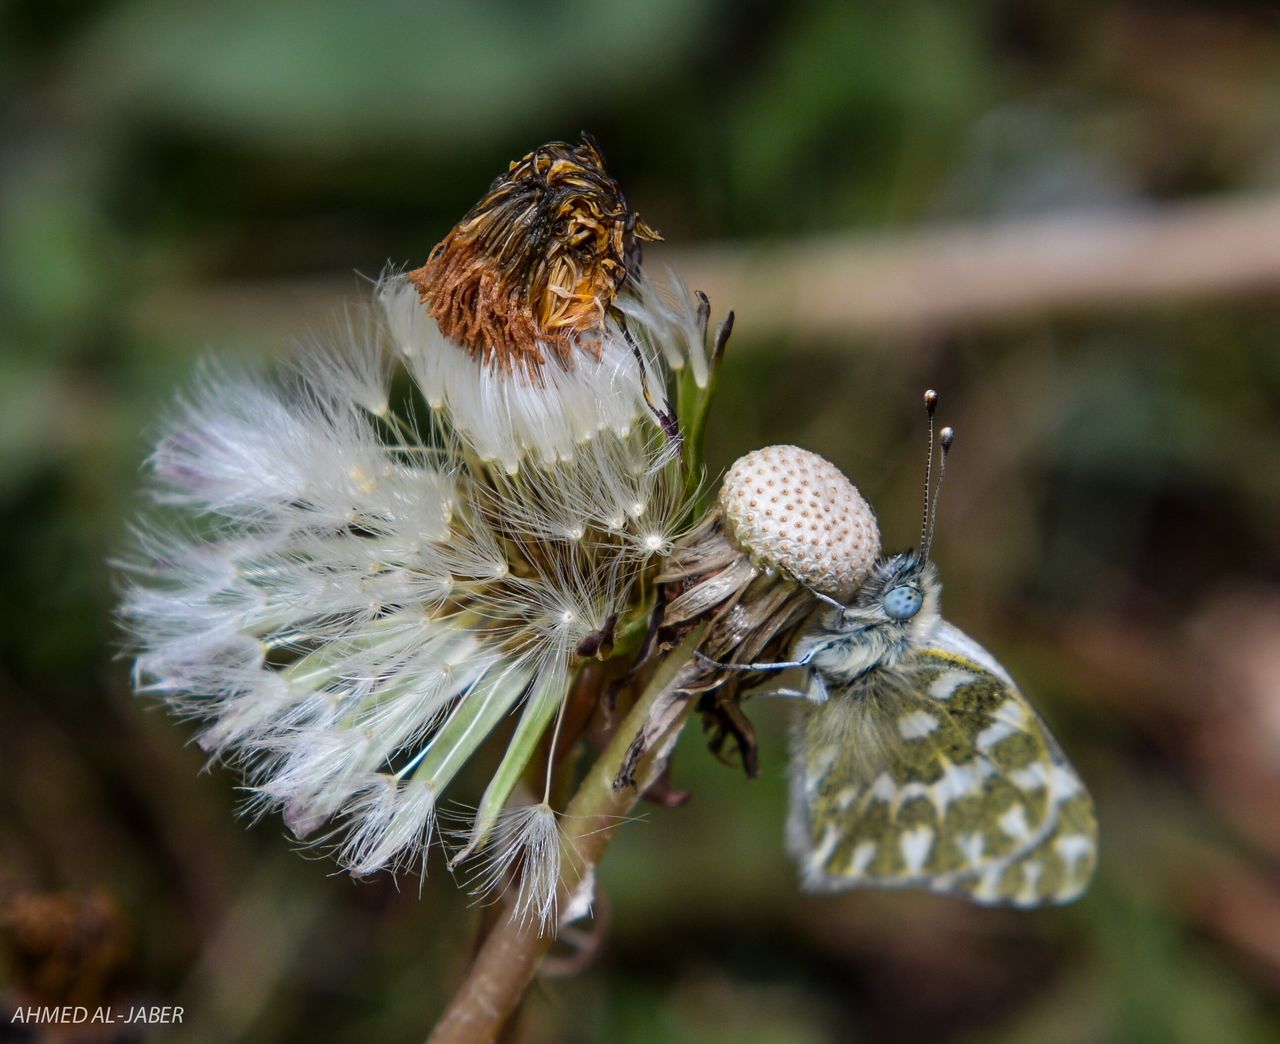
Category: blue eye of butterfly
[902,603]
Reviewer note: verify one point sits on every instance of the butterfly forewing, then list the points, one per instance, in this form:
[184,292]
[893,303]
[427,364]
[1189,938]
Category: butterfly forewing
[936,773]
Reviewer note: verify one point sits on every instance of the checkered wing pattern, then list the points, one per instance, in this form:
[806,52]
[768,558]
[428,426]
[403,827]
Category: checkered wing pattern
[936,773]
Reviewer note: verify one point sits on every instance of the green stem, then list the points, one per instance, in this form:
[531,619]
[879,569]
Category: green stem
[509,958]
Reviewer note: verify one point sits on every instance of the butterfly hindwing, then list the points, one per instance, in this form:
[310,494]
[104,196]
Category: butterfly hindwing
[936,773]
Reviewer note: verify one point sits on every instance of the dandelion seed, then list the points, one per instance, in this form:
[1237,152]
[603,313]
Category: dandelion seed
[530,852]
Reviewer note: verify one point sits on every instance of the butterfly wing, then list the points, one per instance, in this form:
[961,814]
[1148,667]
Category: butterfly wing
[937,774]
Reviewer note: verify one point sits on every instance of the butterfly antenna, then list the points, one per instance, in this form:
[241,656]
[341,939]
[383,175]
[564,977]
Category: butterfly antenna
[945,438]
[930,405]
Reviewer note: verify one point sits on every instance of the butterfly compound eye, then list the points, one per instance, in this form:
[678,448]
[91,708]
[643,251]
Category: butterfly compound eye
[902,603]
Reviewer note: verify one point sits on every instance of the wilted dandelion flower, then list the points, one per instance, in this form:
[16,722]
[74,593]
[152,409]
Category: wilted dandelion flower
[511,325]
[351,595]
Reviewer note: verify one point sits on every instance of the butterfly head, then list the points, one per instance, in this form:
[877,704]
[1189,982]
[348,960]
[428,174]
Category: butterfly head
[895,609]
[902,589]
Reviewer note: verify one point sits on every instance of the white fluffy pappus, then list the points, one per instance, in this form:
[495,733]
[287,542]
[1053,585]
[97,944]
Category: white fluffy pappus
[530,853]
[511,416]
[350,601]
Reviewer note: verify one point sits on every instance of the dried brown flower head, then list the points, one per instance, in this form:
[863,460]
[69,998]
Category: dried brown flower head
[537,263]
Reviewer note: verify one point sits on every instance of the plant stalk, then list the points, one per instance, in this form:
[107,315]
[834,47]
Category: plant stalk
[509,958]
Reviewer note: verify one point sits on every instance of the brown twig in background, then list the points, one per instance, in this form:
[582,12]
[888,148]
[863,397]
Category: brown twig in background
[937,276]
[909,279]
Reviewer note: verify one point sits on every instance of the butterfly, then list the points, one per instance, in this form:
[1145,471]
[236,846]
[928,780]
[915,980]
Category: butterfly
[917,761]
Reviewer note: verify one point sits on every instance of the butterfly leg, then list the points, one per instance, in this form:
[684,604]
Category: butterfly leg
[750,666]
[780,666]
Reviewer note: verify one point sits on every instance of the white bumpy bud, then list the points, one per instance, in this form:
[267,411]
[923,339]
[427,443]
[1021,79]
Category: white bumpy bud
[794,511]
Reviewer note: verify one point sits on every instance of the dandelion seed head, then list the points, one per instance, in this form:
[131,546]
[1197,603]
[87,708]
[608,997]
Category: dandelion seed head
[347,603]
[350,594]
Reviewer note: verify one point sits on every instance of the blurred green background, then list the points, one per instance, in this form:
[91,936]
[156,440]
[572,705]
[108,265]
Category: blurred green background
[180,178]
